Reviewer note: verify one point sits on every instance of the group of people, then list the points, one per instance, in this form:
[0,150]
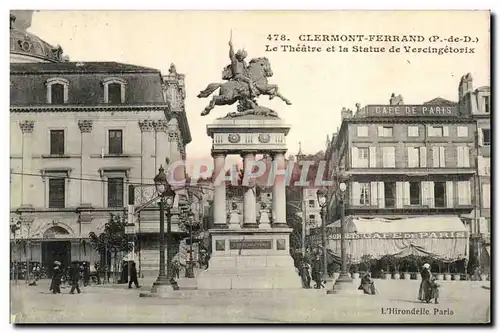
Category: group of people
[311,271]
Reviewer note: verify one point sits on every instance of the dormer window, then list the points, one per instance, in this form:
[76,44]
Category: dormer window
[114,91]
[57,90]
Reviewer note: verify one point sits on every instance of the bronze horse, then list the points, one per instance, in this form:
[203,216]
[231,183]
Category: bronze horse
[259,69]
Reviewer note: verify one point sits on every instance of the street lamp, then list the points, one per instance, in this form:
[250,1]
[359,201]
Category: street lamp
[321,194]
[189,267]
[344,281]
[166,195]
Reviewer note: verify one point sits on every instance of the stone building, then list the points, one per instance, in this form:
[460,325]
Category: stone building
[476,104]
[405,161]
[81,132]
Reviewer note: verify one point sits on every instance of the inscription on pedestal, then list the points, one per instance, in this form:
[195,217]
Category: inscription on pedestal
[220,245]
[251,245]
[280,244]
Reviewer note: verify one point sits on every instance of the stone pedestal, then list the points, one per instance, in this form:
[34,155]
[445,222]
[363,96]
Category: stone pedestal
[255,256]
[250,259]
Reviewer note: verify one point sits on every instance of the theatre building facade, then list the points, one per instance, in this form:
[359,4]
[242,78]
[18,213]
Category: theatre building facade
[81,133]
[409,171]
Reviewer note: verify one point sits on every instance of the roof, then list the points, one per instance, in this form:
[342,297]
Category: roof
[417,224]
[440,101]
[78,67]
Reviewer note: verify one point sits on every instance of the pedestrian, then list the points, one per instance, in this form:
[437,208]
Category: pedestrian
[424,292]
[57,274]
[133,276]
[434,292]
[86,273]
[74,276]
[316,273]
[305,274]
[124,274]
[367,285]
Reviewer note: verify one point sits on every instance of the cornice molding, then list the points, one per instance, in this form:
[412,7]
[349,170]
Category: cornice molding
[95,108]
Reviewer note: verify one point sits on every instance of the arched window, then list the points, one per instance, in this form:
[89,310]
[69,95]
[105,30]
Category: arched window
[57,90]
[114,90]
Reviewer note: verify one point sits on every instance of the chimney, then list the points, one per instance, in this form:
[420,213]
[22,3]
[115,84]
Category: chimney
[345,113]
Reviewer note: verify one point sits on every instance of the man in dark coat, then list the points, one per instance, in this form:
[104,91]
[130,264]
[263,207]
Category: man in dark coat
[57,273]
[74,276]
[133,276]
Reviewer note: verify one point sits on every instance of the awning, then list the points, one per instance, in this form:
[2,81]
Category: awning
[443,237]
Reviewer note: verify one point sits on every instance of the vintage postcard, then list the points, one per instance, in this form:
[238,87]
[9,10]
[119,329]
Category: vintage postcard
[250,167]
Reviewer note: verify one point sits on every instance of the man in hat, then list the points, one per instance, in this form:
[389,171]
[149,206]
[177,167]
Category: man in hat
[74,275]
[57,273]
[239,68]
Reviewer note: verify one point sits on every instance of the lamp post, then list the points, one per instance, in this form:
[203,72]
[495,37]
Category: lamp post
[130,231]
[166,195]
[189,268]
[344,281]
[321,194]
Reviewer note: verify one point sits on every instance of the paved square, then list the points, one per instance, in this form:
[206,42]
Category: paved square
[461,302]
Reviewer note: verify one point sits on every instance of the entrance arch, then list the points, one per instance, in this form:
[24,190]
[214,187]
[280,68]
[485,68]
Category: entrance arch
[56,246]
[55,231]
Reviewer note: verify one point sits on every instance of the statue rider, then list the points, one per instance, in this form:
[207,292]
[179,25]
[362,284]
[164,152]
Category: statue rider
[239,68]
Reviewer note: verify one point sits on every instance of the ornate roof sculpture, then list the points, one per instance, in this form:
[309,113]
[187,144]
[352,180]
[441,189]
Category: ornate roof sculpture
[29,45]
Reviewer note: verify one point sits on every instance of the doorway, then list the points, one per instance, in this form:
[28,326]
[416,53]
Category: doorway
[56,250]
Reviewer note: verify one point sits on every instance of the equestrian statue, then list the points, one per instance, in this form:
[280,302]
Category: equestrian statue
[244,84]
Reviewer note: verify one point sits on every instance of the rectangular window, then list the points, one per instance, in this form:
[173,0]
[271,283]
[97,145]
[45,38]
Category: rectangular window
[486,136]
[414,193]
[412,131]
[115,192]
[463,157]
[436,131]
[363,131]
[115,142]
[389,157]
[115,93]
[363,160]
[385,131]
[311,203]
[438,157]
[364,194]
[56,192]
[57,93]
[390,194]
[439,194]
[312,219]
[462,131]
[57,142]
[486,104]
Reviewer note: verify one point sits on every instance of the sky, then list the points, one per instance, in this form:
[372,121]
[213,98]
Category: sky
[319,85]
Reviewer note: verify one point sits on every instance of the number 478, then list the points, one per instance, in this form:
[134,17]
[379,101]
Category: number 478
[277,37]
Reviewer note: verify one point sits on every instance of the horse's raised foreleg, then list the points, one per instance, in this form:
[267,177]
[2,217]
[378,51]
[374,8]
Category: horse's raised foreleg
[273,91]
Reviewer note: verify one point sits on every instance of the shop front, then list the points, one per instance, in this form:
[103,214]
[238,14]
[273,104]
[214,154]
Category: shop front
[399,246]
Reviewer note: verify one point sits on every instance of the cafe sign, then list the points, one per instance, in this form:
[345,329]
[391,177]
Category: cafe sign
[402,235]
[409,111]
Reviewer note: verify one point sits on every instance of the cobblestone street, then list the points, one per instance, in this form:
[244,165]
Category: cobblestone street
[460,302]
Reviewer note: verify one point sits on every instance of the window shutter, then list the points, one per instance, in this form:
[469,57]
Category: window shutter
[412,159]
[430,131]
[399,194]
[464,193]
[466,157]
[381,131]
[449,194]
[430,194]
[389,157]
[381,195]
[406,193]
[460,157]
[480,137]
[412,131]
[423,157]
[373,157]
[355,194]
[435,157]
[486,196]
[441,157]
[462,131]
[446,131]
[354,157]
[374,194]
[423,192]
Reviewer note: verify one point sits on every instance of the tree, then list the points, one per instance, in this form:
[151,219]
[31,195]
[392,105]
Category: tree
[112,240]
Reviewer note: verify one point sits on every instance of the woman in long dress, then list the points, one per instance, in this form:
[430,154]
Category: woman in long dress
[424,292]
